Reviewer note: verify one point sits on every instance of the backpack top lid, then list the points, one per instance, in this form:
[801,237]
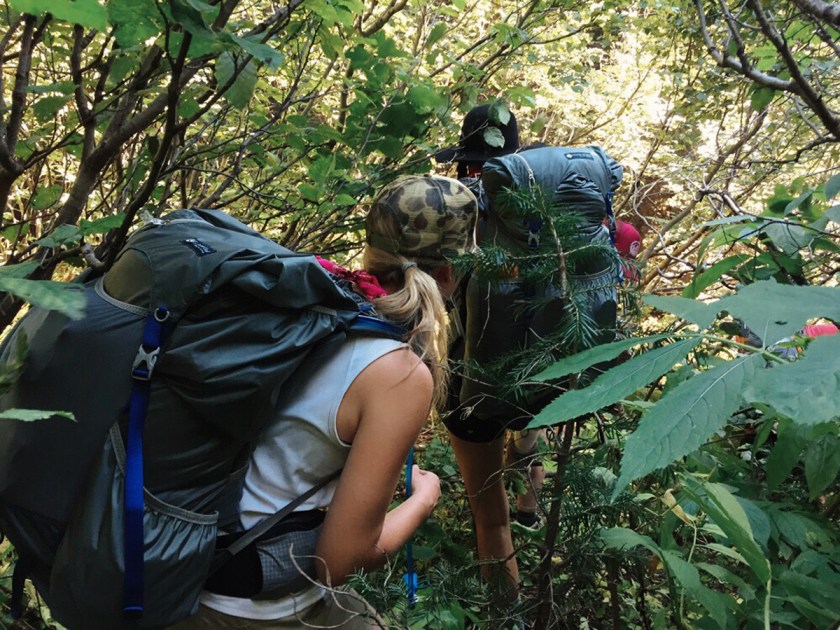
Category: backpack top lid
[579,180]
[190,254]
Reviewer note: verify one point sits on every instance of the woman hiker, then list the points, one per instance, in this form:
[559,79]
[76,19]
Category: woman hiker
[360,412]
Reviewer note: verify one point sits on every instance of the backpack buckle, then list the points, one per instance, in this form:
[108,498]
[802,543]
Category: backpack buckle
[144,363]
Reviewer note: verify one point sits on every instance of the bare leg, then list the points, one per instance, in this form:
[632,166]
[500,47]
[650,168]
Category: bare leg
[481,466]
[521,446]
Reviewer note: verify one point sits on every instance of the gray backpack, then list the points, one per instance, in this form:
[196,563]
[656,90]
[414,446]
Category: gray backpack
[115,516]
[501,317]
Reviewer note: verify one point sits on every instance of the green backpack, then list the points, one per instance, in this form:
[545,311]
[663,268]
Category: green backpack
[115,516]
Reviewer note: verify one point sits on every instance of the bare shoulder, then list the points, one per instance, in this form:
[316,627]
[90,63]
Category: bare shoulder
[400,369]
[397,384]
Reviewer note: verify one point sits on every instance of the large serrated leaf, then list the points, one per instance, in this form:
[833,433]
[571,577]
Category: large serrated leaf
[789,237]
[728,514]
[690,310]
[683,420]
[807,390]
[598,354]
[774,311]
[612,386]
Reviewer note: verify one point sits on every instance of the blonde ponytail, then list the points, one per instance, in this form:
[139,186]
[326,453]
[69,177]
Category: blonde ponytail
[417,306]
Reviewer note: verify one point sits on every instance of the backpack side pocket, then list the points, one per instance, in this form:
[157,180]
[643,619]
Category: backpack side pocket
[88,572]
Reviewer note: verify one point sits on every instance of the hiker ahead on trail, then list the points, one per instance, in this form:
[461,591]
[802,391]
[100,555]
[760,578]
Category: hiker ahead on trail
[506,315]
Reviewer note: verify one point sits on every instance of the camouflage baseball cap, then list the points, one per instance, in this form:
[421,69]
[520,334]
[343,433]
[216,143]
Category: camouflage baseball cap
[422,217]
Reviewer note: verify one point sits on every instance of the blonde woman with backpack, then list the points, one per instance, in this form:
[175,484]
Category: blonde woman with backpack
[360,412]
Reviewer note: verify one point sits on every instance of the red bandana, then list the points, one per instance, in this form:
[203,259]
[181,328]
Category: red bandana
[366,284]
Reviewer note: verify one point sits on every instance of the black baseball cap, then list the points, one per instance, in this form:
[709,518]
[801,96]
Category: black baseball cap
[473,146]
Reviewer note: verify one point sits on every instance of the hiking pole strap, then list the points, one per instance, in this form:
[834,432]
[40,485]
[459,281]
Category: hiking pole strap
[264,525]
[141,375]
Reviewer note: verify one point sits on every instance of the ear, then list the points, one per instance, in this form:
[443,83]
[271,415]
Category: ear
[445,278]
[443,274]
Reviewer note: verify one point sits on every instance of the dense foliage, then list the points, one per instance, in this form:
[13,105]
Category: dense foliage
[695,484]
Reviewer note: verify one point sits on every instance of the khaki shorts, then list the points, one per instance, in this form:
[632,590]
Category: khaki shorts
[343,608]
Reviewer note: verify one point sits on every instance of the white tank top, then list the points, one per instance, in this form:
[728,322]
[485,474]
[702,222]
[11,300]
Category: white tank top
[297,450]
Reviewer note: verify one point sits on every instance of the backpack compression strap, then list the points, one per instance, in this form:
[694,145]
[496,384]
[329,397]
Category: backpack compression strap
[141,374]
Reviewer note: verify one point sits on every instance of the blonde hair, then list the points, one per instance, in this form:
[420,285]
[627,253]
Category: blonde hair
[418,307]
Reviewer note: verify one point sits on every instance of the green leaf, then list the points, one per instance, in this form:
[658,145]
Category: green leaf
[784,456]
[789,237]
[88,13]
[242,88]
[597,354]
[135,21]
[13,232]
[65,87]
[19,270]
[832,187]
[713,274]
[321,169]
[761,98]
[683,573]
[723,508]
[614,385]
[46,197]
[774,311]
[805,390]
[103,225]
[54,296]
[803,530]
[64,234]
[822,464]
[30,415]
[683,420]
[690,310]
[261,52]
[493,137]
[343,199]
[195,16]
[436,34]
[309,192]
[424,99]
[499,113]
[46,108]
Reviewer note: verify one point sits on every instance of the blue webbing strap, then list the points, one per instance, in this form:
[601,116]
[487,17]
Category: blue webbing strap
[378,327]
[410,577]
[141,374]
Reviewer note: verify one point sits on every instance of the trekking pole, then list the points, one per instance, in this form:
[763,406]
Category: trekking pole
[410,578]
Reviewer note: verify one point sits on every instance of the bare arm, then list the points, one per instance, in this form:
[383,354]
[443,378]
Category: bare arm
[381,415]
